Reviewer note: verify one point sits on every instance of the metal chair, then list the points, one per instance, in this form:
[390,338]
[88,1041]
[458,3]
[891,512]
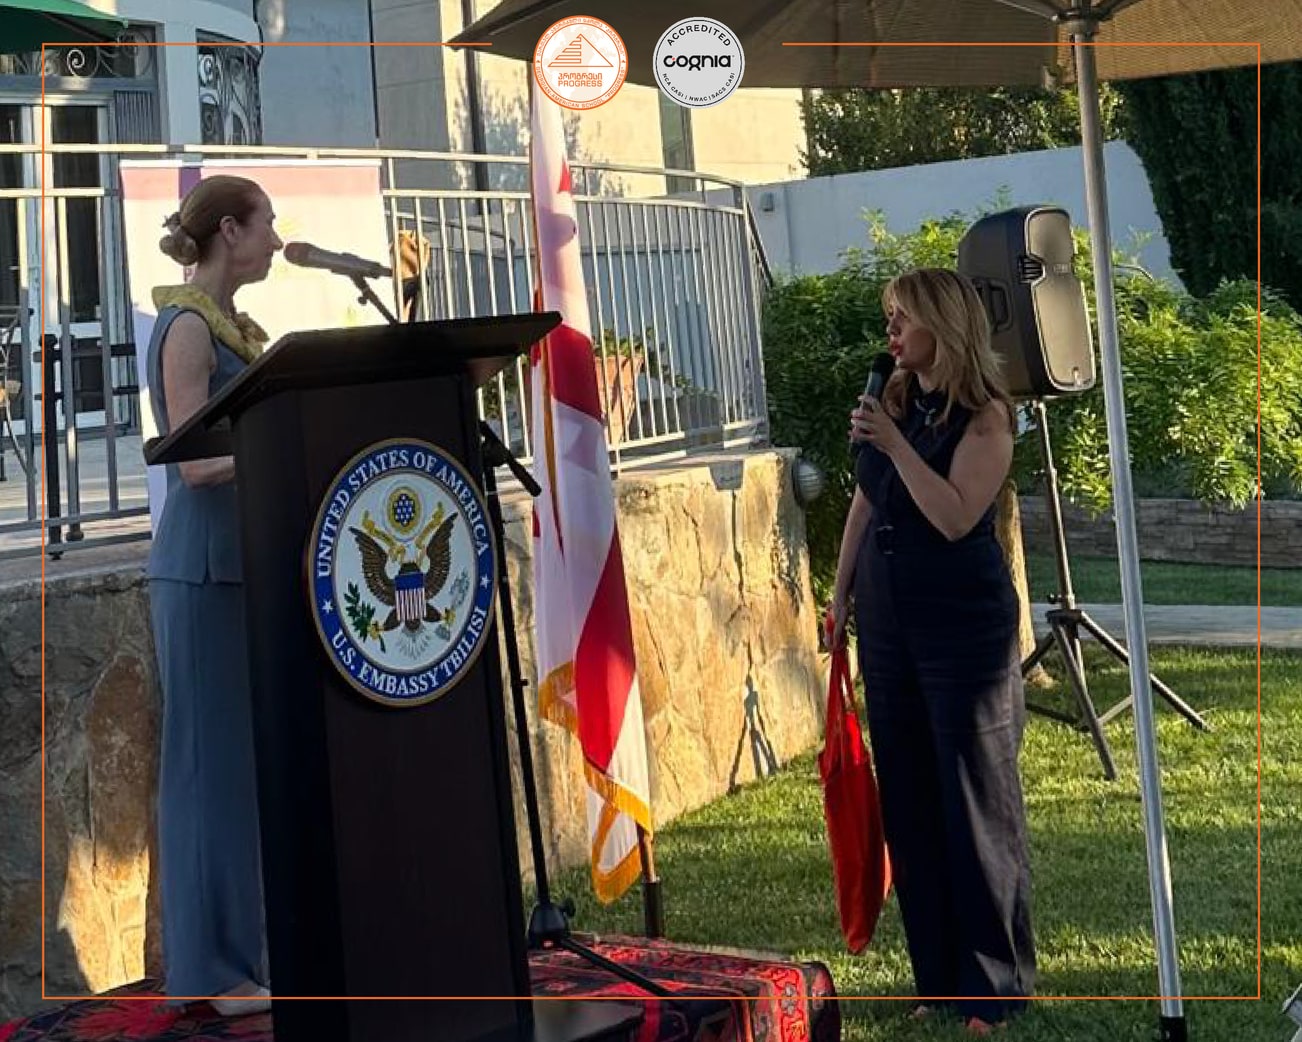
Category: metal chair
[11,387]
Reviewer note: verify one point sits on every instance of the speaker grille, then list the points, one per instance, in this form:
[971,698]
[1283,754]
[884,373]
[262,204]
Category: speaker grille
[1030,269]
[1024,258]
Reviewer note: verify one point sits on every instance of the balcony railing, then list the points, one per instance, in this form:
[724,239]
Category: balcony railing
[673,280]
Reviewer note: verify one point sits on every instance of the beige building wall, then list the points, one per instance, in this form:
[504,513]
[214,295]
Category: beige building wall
[415,87]
[755,136]
[624,131]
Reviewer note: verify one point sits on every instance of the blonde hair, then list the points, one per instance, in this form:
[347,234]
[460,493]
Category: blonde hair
[191,230]
[946,304]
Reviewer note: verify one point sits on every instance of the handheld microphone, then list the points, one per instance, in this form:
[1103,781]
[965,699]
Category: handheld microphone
[883,365]
[305,255]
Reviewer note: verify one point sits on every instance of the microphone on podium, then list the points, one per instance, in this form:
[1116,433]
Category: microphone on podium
[883,365]
[305,255]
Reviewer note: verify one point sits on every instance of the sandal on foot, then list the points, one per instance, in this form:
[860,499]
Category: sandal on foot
[243,1002]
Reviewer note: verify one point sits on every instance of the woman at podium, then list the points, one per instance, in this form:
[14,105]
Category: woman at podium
[210,875]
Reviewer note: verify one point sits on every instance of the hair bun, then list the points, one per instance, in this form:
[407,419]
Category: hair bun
[178,243]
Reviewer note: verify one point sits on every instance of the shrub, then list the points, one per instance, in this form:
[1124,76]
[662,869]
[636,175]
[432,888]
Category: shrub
[1189,368]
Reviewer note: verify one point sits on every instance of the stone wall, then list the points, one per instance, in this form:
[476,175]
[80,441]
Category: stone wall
[725,630]
[726,636]
[1178,530]
[101,733]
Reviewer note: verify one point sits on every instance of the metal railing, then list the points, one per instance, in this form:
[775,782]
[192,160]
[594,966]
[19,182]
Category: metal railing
[673,281]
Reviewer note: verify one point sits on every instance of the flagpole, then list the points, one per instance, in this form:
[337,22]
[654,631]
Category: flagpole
[653,908]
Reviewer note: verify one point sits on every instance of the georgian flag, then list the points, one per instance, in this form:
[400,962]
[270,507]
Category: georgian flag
[586,668]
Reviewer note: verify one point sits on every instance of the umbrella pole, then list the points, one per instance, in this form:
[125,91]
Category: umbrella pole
[1173,1027]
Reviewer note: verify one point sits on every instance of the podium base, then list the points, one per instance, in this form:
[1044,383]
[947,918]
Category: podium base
[579,1020]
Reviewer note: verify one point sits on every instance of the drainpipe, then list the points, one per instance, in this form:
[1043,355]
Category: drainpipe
[375,82]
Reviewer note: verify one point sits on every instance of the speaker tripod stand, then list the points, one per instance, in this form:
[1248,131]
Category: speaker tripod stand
[1068,620]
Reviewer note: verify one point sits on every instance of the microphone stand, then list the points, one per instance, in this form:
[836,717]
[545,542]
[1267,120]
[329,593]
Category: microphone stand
[368,296]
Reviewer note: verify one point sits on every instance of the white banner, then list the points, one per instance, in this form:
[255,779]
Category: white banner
[334,204]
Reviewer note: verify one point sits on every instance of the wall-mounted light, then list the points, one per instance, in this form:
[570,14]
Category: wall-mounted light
[270,14]
[808,480]
[768,202]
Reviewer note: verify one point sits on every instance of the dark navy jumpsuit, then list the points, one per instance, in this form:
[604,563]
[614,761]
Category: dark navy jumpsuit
[938,649]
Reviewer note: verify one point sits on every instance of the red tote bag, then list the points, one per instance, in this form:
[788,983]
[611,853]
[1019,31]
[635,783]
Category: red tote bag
[860,868]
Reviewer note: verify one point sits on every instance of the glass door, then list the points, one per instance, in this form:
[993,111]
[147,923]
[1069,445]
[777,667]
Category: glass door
[74,291]
[77,293]
[19,266]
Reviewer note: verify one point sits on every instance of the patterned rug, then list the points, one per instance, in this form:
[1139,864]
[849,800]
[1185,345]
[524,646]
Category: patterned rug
[736,997]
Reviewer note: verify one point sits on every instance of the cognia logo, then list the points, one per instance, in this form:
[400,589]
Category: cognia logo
[699,62]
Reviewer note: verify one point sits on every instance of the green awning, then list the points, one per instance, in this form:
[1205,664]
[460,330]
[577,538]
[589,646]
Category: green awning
[27,24]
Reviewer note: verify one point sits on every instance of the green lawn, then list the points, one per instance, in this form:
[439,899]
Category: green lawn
[1097,580]
[751,869]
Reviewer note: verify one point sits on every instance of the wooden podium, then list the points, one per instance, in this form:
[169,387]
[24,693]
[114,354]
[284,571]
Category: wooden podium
[389,854]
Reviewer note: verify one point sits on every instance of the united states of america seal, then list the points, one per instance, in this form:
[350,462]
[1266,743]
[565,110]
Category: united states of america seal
[402,572]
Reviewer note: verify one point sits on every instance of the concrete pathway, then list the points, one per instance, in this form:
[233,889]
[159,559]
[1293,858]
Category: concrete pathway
[20,495]
[1228,626]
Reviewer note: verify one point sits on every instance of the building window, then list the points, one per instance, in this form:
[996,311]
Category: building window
[126,57]
[230,107]
[676,142]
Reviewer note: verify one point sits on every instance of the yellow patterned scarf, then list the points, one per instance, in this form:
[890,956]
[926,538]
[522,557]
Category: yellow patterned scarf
[241,334]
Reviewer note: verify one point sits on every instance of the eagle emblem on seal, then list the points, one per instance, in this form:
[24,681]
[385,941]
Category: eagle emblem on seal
[409,592]
[423,559]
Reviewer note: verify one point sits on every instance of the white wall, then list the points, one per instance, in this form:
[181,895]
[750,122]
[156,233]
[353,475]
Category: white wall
[319,95]
[806,225]
[229,17]
[412,80]
[754,136]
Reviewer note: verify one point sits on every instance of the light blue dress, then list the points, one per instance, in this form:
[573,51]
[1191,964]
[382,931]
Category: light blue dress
[211,884]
